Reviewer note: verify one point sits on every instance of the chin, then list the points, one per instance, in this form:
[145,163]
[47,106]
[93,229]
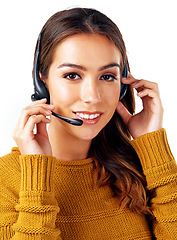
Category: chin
[86,133]
[89,133]
[88,136]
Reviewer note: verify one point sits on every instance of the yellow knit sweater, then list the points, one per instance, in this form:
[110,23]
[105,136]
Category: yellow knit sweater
[44,198]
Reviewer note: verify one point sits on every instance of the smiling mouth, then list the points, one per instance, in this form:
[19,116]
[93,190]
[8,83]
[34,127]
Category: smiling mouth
[88,118]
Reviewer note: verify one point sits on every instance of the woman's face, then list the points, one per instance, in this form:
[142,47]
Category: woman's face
[84,83]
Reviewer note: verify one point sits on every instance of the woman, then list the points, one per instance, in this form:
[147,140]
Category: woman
[90,181]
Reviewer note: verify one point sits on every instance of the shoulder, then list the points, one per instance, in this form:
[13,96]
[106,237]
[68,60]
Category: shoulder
[9,164]
[10,178]
[11,158]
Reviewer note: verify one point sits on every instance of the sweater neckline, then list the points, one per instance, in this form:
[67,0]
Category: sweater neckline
[83,162]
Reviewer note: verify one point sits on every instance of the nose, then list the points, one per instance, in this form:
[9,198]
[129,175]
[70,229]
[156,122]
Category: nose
[90,92]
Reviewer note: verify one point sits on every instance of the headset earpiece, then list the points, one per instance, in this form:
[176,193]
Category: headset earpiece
[124,86]
[40,88]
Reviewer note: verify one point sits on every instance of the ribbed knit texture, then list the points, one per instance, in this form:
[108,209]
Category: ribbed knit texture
[45,198]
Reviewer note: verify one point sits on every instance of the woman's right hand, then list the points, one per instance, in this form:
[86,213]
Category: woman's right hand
[34,115]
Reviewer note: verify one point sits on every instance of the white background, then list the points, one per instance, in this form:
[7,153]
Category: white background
[149,31]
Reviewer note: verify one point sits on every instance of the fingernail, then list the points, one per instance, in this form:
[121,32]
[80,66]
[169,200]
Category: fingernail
[42,100]
[51,106]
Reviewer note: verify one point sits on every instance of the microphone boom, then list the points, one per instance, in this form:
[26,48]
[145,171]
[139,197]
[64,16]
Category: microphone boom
[76,122]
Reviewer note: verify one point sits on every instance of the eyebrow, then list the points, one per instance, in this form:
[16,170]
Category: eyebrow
[111,65]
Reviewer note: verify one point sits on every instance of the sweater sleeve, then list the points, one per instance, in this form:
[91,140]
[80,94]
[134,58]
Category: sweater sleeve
[37,207]
[160,169]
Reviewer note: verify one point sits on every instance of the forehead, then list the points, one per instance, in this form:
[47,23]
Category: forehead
[87,48]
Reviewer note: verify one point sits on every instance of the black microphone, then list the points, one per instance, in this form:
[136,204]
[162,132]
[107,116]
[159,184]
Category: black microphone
[73,121]
[76,122]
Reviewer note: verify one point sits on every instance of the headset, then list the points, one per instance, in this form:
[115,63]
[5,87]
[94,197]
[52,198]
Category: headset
[41,91]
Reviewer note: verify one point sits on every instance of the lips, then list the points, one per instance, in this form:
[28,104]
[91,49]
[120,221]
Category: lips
[88,117]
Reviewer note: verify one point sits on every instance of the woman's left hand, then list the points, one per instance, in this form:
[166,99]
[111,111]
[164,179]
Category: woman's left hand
[150,118]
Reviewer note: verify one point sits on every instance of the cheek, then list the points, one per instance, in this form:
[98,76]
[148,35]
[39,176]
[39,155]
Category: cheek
[62,94]
[112,97]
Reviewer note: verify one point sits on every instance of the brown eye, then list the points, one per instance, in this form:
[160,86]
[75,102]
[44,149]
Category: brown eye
[72,76]
[108,78]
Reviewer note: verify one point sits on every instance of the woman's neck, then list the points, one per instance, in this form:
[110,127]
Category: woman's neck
[65,146]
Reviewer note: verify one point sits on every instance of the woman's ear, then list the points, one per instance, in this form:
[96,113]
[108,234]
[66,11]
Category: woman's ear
[40,75]
[42,79]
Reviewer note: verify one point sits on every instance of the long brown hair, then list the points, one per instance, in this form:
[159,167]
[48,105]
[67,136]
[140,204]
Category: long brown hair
[116,162]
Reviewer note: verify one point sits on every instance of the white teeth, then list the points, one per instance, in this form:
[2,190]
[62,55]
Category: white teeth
[87,116]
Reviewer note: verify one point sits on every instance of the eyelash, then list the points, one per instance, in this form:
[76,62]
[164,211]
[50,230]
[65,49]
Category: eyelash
[70,77]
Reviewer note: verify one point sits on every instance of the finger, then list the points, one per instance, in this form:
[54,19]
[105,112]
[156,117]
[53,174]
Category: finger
[33,120]
[145,84]
[43,100]
[151,100]
[147,92]
[130,78]
[35,109]
[41,129]
[140,83]
[123,112]
[46,106]
[41,103]
[29,111]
